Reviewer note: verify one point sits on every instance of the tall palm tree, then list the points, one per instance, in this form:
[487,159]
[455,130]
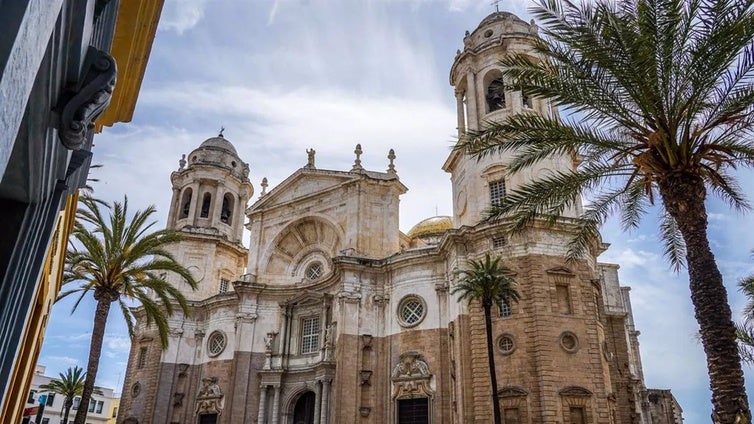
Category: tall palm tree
[70,385]
[663,91]
[120,261]
[488,282]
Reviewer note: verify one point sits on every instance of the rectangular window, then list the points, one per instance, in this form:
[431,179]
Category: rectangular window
[564,299]
[223,286]
[511,416]
[50,399]
[497,192]
[310,335]
[31,396]
[142,358]
[115,412]
[99,406]
[498,242]
[92,405]
[413,411]
[504,309]
[577,415]
[76,402]
[45,421]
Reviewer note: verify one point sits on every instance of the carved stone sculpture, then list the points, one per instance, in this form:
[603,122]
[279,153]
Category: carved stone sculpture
[80,106]
[210,397]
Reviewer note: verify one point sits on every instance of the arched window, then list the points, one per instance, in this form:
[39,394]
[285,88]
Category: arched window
[206,202]
[185,204]
[226,215]
[495,95]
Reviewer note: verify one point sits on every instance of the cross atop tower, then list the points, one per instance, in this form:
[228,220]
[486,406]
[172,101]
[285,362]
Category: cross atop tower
[496,3]
[222,128]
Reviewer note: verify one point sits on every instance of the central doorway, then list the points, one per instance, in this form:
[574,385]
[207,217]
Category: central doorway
[413,411]
[208,419]
[303,412]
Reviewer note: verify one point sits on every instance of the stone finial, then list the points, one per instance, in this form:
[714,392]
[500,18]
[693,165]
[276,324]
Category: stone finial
[245,170]
[533,28]
[391,158]
[182,163]
[357,163]
[264,187]
[466,40]
[310,158]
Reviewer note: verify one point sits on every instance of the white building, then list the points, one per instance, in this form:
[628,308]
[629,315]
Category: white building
[100,411]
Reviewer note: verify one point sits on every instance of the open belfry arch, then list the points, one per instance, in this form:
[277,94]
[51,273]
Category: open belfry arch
[333,315]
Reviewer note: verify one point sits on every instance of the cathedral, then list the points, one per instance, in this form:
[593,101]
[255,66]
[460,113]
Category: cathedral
[329,314]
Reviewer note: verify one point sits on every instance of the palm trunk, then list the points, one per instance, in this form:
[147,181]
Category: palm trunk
[95,349]
[683,196]
[491,359]
[67,409]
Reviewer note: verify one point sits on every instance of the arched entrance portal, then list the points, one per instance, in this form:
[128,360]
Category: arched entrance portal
[303,413]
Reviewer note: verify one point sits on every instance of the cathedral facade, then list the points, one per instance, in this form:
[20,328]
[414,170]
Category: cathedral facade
[333,315]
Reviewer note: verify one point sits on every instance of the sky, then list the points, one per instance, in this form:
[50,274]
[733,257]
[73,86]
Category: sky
[284,76]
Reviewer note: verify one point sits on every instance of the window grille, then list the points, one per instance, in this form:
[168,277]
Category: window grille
[224,284]
[310,335]
[142,358]
[497,192]
[314,271]
[498,242]
[504,309]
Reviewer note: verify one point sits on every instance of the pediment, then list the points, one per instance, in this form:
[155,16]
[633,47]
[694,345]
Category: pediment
[307,297]
[301,185]
[561,270]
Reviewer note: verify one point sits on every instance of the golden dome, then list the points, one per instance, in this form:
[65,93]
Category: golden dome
[431,227]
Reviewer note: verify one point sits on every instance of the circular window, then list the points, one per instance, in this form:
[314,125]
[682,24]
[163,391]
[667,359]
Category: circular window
[569,342]
[314,271]
[216,343]
[135,389]
[233,164]
[411,311]
[488,33]
[193,159]
[506,344]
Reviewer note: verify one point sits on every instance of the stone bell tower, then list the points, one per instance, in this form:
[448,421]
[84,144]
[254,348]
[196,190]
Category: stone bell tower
[482,95]
[210,192]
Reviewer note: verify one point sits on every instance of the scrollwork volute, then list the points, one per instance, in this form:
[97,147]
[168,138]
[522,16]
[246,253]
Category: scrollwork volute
[83,104]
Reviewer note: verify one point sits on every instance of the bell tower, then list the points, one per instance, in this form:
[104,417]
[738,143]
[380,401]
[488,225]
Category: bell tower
[210,191]
[482,95]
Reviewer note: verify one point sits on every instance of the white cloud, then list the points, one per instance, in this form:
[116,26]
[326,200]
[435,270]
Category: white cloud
[181,15]
[58,361]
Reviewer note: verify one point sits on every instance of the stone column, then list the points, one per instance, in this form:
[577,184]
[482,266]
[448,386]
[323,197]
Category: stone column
[471,101]
[214,213]
[262,404]
[196,205]
[460,112]
[239,216]
[317,398]
[325,402]
[174,207]
[276,404]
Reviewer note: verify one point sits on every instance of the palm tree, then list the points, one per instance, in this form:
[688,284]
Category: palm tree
[745,330]
[119,260]
[664,95]
[488,282]
[70,385]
